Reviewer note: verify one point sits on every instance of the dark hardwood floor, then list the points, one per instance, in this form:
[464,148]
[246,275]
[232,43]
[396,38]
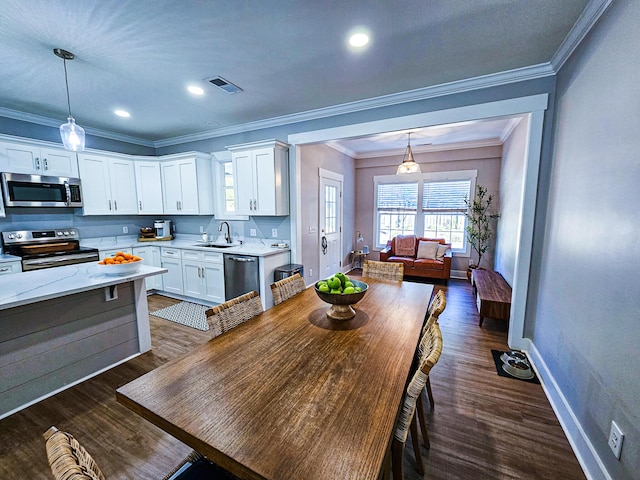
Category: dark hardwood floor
[483,426]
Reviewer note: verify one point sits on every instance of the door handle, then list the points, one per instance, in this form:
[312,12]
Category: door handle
[324,245]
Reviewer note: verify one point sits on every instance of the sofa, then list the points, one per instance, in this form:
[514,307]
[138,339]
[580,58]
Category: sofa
[429,259]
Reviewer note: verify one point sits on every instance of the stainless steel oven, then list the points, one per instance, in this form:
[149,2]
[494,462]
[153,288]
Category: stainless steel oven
[23,190]
[47,248]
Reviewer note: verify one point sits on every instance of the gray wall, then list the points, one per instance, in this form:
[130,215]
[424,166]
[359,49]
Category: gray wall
[587,321]
[314,157]
[510,202]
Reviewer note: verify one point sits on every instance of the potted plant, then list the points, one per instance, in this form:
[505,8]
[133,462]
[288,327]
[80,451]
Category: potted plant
[480,223]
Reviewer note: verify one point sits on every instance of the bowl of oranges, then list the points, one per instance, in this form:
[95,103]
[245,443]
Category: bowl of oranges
[120,264]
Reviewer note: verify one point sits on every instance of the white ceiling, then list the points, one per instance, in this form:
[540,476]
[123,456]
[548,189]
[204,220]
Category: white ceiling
[288,56]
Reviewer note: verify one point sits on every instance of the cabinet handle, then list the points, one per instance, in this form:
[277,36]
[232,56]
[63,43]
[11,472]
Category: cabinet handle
[37,163]
[44,162]
[140,202]
[200,272]
[109,205]
[4,269]
[115,204]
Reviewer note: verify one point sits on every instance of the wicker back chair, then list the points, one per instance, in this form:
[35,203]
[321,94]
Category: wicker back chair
[383,270]
[438,304]
[287,287]
[232,313]
[70,461]
[432,348]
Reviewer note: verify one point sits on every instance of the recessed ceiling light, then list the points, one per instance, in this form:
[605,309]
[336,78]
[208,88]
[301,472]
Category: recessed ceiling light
[122,113]
[359,39]
[196,90]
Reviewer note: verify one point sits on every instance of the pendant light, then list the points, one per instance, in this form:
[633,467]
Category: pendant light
[408,164]
[72,134]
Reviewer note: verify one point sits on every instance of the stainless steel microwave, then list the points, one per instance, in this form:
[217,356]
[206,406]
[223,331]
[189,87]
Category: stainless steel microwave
[23,190]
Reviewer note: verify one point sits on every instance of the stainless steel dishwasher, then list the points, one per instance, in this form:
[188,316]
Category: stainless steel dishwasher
[241,275]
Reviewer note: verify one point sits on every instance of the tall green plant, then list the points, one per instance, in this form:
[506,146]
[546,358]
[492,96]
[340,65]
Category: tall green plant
[480,221]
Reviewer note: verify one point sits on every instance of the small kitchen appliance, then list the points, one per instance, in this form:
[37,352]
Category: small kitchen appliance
[48,248]
[163,228]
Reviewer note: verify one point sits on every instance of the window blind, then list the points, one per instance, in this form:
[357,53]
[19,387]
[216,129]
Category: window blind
[446,196]
[397,197]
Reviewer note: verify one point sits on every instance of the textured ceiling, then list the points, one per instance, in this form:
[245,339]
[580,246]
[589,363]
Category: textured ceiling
[287,56]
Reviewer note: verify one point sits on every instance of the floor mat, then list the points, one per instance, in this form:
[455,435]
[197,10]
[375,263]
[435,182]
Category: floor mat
[185,313]
[498,361]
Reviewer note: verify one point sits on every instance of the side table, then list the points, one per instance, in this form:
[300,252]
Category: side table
[357,258]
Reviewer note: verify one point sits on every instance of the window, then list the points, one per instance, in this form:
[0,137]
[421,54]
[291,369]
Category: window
[430,205]
[397,208]
[443,210]
[229,190]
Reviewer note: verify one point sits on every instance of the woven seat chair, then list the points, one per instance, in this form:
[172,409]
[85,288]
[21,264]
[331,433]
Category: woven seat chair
[286,288]
[70,461]
[232,313]
[432,348]
[383,270]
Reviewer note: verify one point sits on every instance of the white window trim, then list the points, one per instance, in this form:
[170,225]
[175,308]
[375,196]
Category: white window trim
[470,175]
[219,159]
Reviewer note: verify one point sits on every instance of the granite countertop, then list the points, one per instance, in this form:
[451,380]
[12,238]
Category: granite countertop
[192,242]
[37,285]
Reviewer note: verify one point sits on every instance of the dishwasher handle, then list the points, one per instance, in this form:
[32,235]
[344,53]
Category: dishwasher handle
[243,259]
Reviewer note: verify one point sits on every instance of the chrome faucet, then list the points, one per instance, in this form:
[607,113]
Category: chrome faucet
[227,235]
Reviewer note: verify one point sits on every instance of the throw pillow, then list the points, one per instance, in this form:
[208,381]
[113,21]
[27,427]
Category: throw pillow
[405,245]
[442,249]
[427,250]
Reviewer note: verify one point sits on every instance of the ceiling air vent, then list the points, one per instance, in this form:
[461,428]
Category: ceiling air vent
[224,85]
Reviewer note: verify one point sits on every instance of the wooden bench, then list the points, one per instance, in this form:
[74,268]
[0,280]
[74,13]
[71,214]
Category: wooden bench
[493,294]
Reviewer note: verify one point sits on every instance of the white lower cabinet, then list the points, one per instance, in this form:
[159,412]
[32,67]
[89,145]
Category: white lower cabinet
[203,275]
[7,268]
[150,256]
[171,259]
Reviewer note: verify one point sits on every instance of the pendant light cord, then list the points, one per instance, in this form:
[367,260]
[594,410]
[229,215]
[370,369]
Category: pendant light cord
[66,81]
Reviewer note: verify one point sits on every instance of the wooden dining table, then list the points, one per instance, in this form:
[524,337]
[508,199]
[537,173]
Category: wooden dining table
[292,394]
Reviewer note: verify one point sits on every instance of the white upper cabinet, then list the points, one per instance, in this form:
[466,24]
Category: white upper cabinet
[149,187]
[37,160]
[261,178]
[108,185]
[187,181]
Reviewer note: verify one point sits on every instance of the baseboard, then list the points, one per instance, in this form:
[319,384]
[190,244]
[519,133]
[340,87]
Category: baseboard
[589,460]
[459,274]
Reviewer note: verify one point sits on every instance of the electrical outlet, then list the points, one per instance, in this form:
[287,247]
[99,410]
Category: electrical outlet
[615,439]
[274,232]
[311,272]
[125,229]
[312,229]
[252,232]
[201,229]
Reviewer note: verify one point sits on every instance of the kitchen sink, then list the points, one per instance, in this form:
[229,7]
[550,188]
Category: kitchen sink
[217,245]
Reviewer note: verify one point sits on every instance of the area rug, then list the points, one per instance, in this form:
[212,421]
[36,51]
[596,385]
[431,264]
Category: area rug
[496,358]
[185,313]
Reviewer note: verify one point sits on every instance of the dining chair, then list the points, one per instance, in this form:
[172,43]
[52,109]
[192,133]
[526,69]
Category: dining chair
[287,287]
[438,304]
[69,460]
[383,270]
[232,313]
[407,421]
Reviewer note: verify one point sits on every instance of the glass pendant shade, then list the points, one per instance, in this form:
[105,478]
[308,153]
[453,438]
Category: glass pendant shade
[408,165]
[72,135]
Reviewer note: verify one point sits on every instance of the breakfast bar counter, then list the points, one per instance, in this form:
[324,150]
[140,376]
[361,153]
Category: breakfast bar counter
[60,326]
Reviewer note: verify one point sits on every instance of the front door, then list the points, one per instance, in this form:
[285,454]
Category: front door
[330,216]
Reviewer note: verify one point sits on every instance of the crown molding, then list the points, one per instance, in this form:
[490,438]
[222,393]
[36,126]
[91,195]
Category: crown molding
[491,142]
[587,19]
[458,86]
[52,122]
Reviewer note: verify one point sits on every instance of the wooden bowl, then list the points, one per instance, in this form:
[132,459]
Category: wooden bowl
[341,308]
